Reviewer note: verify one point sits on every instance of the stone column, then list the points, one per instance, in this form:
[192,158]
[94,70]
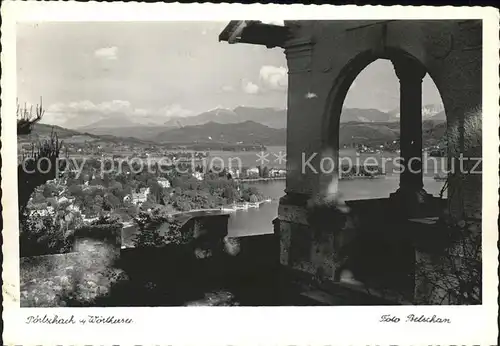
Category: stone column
[410,74]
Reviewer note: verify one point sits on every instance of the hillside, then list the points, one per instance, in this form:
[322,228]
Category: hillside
[43,131]
[433,132]
[270,117]
[142,132]
[111,120]
[275,118]
[438,116]
[372,134]
[248,132]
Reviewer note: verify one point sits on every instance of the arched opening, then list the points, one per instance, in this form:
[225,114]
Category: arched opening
[385,114]
[369,134]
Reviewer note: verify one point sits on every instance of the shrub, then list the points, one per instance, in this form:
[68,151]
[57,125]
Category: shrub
[157,230]
[41,234]
[106,228]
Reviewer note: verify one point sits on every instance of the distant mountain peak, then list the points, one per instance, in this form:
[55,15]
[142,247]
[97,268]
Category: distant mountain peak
[428,111]
[112,120]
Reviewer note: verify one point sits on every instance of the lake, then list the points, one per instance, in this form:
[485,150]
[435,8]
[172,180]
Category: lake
[432,165]
[259,221]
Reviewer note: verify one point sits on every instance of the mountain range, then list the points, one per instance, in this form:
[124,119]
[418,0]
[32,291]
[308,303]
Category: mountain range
[126,125]
[271,117]
[247,132]
[429,112]
[248,126]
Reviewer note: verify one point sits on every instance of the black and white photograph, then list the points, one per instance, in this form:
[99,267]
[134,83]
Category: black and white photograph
[252,163]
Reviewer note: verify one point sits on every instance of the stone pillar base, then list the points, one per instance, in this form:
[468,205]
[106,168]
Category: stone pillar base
[410,203]
[310,237]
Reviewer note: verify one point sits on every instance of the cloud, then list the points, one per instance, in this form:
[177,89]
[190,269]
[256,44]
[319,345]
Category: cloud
[274,78]
[227,88]
[107,53]
[176,110]
[250,88]
[81,113]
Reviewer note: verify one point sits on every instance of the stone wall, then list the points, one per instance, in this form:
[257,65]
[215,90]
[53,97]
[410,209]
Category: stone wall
[370,245]
[78,278]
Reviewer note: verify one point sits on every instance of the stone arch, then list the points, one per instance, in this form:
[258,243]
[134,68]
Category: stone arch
[340,87]
[343,81]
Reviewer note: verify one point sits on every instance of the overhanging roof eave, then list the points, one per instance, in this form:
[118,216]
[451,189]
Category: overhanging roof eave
[254,32]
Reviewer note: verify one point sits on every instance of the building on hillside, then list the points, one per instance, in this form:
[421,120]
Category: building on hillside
[73,208]
[140,197]
[235,173]
[163,182]
[64,199]
[89,218]
[275,172]
[198,175]
[43,212]
[253,172]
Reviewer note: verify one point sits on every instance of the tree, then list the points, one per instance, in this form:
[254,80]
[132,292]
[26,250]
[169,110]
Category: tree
[41,234]
[111,202]
[98,202]
[132,211]
[147,205]
[265,172]
[52,202]
[455,273]
[38,198]
[156,191]
[49,190]
[26,119]
[452,273]
[229,194]
[75,190]
[157,230]
[37,167]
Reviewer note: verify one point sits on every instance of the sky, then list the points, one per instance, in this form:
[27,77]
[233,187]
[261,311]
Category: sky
[157,70]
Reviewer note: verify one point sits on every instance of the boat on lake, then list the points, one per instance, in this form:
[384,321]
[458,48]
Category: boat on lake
[241,206]
[229,209]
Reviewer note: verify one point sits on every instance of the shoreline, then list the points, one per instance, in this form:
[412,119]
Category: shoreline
[284,178]
[258,179]
[361,177]
[222,209]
